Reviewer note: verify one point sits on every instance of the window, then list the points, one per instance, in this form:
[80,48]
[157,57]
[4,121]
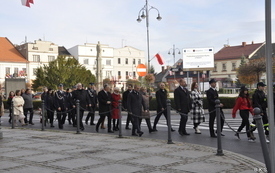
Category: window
[8,70]
[24,70]
[126,60]
[126,73]
[108,62]
[16,70]
[224,67]
[86,61]
[134,74]
[134,61]
[51,58]
[118,61]
[50,49]
[139,61]
[36,58]
[233,66]
[119,73]
[35,48]
[215,67]
[34,71]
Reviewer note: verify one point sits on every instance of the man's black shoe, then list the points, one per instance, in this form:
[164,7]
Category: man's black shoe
[185,133]
[127,128]
[172,130]
[134,134]
[110,131]
[180,133]
[140,134]
[213,136]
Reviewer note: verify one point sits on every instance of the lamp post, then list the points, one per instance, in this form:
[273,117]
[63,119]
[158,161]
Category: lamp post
[174,54]
[144,14]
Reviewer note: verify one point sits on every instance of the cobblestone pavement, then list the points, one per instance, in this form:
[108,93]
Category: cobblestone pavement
[27,151]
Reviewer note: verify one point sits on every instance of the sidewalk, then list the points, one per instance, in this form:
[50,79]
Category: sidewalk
[27,151]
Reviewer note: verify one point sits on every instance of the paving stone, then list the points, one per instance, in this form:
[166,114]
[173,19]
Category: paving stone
[46,157]
[115,168]
[202,167]
[76,163]
[154,161]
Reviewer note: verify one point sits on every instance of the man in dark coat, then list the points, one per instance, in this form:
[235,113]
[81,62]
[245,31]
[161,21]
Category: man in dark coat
[60,105]
[161,97]
[93,100]
[134,107]
[124,104]
[183,104]
[84,101]
[212,96]
[104,107]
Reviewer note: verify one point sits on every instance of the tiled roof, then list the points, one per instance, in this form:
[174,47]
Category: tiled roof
[235,52]
[8,53]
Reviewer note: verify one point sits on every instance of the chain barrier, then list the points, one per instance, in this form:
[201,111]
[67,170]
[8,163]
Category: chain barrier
[144,117]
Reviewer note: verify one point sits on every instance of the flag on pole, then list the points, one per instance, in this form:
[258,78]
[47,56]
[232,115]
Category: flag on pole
[159,58]
[27,2]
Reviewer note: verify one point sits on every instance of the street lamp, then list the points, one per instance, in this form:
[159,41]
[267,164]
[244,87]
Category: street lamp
[144,14]
[174,56]
[173,52]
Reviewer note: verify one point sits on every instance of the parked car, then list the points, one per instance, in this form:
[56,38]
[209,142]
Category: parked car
[37,95]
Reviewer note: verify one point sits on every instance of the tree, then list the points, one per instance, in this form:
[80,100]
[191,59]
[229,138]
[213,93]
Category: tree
[251,72]
[63,70]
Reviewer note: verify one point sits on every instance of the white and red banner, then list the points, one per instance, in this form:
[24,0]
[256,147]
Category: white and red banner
[27,2]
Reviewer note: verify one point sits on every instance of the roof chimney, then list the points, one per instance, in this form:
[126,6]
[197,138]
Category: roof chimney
[162,69]
[243,44]
[252,42]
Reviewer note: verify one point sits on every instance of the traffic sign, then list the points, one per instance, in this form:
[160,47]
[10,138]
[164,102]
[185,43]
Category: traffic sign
[141,70]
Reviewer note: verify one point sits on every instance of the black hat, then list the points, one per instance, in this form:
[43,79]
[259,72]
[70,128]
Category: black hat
[60,85]
[244,88]
[91,83]
[261,84]
[212,81]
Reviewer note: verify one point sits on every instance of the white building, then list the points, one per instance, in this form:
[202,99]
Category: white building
[117,64]
[38,53]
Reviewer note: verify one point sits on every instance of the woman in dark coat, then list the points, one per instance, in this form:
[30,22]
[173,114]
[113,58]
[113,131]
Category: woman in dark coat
[11,95]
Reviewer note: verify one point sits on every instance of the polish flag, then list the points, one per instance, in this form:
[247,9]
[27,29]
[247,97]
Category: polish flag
[27,2]
[159,58]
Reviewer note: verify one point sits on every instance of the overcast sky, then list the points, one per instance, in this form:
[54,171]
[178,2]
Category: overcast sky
[185,23]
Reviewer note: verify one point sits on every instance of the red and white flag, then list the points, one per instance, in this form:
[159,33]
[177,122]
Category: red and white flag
[27,2]
[159,58]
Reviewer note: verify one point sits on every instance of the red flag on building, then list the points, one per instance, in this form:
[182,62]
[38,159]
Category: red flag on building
[31,1]
[159,58]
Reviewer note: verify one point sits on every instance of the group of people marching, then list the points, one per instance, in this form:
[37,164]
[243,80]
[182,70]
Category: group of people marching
[135,100]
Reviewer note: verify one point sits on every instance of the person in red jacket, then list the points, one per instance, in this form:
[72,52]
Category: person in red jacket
[244,105]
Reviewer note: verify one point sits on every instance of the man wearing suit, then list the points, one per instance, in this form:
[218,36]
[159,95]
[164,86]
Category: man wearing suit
[212,95]
[183,105]
[84,102]
[93,99]
[104,107]
[124,104]
[161,97]
[61,106]
[134,107]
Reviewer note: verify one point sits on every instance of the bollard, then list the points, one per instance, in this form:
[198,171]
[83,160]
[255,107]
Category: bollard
[218,115]
[43,117]
[12,115]
[120,119]
[77,117]
[168,101]
[258,118]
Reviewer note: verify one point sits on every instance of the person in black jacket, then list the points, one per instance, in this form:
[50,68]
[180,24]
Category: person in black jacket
[84,102]
[259,100]
[49,104]
[135,103]
[183,105]
[124,104]
[60,105]
[161,97]
[11,95]
[104,107]
[93,99]
[212,96]
[70,111]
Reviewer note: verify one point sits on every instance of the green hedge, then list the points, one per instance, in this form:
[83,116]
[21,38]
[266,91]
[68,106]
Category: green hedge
[227,101]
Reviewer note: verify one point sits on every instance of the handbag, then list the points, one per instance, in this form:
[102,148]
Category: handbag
[145,115]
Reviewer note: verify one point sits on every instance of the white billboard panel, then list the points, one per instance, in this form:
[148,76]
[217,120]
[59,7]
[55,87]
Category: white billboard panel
[198,58]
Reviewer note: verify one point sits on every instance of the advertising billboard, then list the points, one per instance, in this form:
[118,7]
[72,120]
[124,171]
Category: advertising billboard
[198,58]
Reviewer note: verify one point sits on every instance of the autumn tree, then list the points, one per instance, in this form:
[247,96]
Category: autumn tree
[251,72]
[63,70]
